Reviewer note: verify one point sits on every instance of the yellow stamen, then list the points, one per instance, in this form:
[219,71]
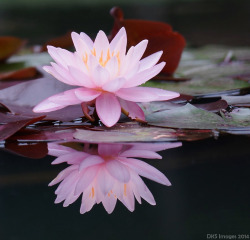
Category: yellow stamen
[93,192]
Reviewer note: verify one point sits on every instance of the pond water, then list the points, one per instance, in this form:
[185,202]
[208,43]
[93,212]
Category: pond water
[209,195]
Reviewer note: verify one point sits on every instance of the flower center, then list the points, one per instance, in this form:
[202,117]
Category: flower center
[103,60]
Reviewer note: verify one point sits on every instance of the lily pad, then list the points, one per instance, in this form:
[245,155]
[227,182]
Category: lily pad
[208,72]
[133,132]
[190,117]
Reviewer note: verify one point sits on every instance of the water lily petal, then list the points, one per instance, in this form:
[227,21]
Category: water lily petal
[114,85]
[86,178]
[71,158]
[108,109]
[119,41]
[101,45]
[86,94]
[109,203]
[113,67]
[143,76]
[81,47]
[63,174]
[150,61]
[145,94]
[146,170]
[55,149]
[81,78]
[87,40]
[137,94]
[105,181]
[57,101]
[142,188]
[109,149]
[100,76]
[118,171]
[89,161]
[141,154]
[87,202]
[134,111]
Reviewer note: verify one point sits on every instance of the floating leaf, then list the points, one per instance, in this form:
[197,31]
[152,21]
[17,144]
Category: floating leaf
[14,124]
[24,73]
[190,117]
[9,46]
[203,66]
[160,36]
[30,150]
[133,132]
[21,98]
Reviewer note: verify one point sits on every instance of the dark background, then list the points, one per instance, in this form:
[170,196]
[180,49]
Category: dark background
[225,22]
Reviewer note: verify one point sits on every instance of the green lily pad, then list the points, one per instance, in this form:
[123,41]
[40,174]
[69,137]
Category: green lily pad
[190,117]
[209,71]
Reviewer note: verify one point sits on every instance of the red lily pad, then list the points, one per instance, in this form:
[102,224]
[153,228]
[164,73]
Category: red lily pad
[63,41]
[30,150]
[14,123]
[159,34]
[9,46]
[25,73]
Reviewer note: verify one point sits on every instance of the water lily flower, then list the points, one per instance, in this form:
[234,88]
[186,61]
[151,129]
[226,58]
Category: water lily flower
[105,74]
[107,173]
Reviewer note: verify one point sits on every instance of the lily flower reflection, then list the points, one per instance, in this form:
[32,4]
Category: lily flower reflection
[107,172]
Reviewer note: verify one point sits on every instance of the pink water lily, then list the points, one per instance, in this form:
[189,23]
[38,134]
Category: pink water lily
[105,74]
[107,173]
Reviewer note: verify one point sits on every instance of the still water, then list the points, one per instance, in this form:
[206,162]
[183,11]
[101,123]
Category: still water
[209,195]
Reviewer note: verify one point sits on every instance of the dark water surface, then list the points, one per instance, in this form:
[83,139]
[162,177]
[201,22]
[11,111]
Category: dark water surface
[209,195]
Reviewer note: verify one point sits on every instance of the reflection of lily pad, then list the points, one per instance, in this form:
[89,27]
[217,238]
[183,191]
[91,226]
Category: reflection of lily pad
[133,132]
[191,117]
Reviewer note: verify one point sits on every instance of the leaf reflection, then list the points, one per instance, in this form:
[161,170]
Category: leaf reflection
[103,173]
